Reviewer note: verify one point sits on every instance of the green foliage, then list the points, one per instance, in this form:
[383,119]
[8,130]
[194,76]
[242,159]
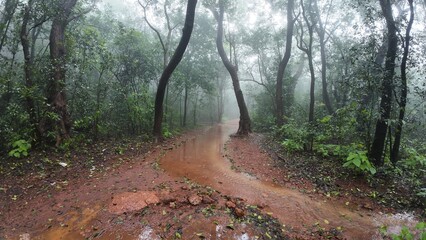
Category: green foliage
[406,234]
[413,160]
[167,133]
[358,160]
[295,137]
[292,145]
[20,148]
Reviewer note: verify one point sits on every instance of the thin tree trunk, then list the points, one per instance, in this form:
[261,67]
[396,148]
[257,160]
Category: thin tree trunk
[9,10]
[185,104]
[177,56]
[320,29]
[307,48]
[28,68]
[403,100]
[377,148]
[245,122]
[283,65]
[194,112]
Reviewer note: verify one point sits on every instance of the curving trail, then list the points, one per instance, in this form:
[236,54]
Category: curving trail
[201,160]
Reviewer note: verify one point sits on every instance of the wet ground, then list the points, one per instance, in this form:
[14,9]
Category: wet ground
[187,189]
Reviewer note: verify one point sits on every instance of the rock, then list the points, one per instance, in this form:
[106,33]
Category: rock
[367,206]
[172,205]
[129,201]
[239,212]
[208,200]
[230,204]
[195,199]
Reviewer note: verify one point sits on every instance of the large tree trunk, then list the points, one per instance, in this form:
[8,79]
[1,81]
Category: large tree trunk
[403,99]
[56,90]
[245,122]
[377,148]
[177,57]
[283,65]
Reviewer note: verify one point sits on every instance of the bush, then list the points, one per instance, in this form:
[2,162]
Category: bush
[358,160]
[20,148]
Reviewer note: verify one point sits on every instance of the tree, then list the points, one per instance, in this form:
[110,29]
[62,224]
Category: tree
[28,67]
[306,47]
[59,121]
[321,31]
[174,61]
[378,146]
[404,89]
[283,64]
[244,127]
[10,7]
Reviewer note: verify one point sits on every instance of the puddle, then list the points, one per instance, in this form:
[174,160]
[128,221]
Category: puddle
[393,223]
[201,160]
[71,225]
[148,234]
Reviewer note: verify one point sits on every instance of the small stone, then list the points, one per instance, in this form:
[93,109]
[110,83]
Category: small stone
[195,200]
[208,200]
[230,204]
[239,212]
[367,206]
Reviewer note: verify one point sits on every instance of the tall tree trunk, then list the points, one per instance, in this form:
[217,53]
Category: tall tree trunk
[28,68]
[56,89]
[403,99]
[185,103]
[9,10]
[377,148]
[320,29]
[220,100]
[283,65]
[174,61]
[307,49]
[245,122]
[194,112]
[291,87]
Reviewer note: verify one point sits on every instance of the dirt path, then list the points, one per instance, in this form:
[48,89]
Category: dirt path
[201,160]
[185,189]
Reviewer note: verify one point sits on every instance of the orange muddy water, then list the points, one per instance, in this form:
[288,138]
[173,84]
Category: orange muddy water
[201,160]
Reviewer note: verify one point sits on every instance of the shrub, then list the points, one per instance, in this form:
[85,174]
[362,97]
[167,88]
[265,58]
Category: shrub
[20,148]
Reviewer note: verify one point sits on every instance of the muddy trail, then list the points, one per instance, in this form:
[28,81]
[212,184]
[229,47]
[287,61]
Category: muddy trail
[183,190]
[202,160]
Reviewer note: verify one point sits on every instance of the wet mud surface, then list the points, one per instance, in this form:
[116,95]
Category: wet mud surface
[190,188]
[207,166]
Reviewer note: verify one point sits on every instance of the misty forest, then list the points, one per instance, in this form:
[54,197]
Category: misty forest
[212,119]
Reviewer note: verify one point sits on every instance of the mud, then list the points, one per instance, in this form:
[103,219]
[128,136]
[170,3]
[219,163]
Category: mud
[153,196]
[202,160]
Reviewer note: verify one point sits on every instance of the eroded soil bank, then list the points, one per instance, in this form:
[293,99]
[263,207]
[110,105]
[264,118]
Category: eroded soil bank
[192,187]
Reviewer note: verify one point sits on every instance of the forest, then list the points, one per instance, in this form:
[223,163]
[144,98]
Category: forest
[337,86]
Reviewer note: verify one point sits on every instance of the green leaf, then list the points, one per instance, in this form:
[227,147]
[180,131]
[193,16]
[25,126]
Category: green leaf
[421,225]
[357,162]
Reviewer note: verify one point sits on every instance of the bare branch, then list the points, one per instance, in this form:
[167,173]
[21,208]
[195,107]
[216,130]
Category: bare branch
[151,26]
